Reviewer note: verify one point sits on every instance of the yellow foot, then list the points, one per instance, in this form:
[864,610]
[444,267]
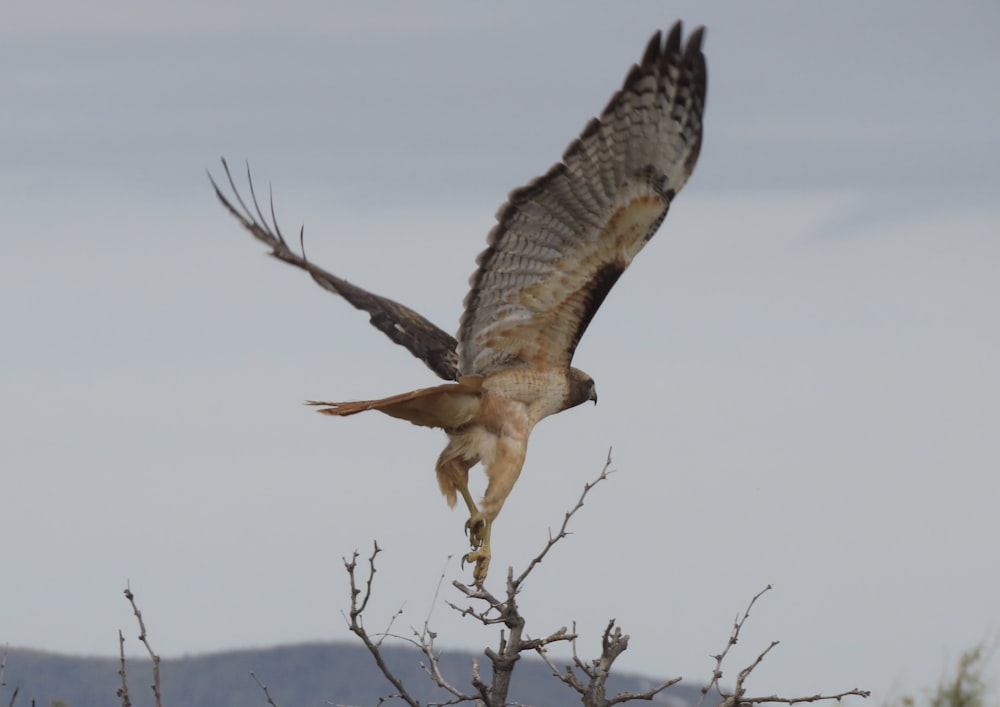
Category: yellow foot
[482,560]
[478,529]
[475,528]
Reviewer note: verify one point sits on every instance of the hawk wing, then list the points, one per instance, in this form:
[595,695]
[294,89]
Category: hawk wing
[417,334]
[562,241]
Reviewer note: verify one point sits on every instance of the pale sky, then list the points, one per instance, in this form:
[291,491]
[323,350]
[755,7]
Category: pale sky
[798,376]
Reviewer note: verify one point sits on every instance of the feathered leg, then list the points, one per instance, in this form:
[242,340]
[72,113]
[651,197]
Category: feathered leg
[502,473]
[453,478]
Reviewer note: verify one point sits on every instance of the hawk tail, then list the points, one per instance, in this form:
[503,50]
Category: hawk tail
[447,406]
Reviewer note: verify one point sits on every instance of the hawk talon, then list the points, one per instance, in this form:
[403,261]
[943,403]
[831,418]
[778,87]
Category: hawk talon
[482,560]
[475,530]
[478,529]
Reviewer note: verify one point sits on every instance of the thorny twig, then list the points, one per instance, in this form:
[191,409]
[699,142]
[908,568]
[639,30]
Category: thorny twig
[123,690]
[733,638]
[425,642]
[262,686]
[152,655]
[605,472]
[513,641]
[3,667]
[593,691]
[737,697]
[355,622]
[795,700]
[588,678]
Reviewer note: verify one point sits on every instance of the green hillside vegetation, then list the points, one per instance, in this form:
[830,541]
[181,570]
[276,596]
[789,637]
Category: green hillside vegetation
[965,688]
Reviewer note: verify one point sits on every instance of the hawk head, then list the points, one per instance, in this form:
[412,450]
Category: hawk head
[581,389]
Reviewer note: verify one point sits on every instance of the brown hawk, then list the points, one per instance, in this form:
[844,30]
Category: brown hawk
[559,245]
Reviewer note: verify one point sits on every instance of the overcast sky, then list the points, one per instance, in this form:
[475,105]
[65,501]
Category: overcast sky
[799,376]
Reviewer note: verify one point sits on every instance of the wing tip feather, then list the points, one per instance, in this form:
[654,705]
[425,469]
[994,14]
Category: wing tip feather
[694,42]
[673,44]
[652,53]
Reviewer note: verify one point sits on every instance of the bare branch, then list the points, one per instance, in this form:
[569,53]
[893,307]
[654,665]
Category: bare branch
[3,668]
[513,641]
[152,655]
[737,698]
[593,692]
[733,638]
[567,676]
[356,623]
[481,687]
[646,695]
[605,472]
[433,670]
[386,633]
[3,683]
[745,673]
[586,677]
[540,644]
[123,690]
[425,641]
[434,599]
[263,687]
[811,698]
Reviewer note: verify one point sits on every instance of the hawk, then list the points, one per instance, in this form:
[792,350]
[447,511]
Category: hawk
[559,245]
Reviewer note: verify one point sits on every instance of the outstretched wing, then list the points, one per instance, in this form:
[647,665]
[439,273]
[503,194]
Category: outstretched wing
[562,241]
[434,347]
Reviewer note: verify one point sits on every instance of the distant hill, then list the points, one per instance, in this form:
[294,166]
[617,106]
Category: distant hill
[303,675]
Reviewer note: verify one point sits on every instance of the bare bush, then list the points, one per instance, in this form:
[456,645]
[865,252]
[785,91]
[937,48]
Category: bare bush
[587,677]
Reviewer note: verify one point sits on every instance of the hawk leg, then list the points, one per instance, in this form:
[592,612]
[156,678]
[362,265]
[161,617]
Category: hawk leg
[478,530]
[502,471]
[467,497]
[479,537]
[453,478]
